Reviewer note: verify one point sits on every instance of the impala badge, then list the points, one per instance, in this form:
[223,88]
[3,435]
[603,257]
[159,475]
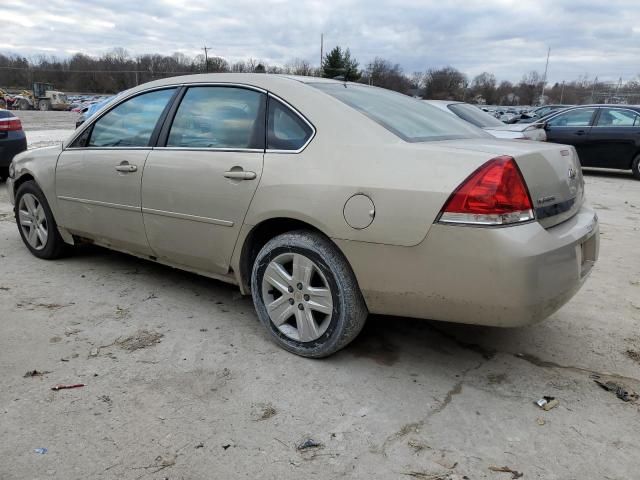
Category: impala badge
[543,200]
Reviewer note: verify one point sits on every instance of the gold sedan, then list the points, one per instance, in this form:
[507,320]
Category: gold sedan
[324,200]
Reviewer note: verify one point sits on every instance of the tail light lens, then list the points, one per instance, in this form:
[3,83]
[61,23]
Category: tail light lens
[495,194]
[10,124]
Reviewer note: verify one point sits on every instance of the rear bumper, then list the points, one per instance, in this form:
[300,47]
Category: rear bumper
[505,277]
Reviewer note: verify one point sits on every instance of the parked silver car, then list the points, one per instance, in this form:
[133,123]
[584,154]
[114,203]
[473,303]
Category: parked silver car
[324,200]
[489,123]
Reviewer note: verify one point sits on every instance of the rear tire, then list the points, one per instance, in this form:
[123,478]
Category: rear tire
[310,301]
[36,224]
[635,167]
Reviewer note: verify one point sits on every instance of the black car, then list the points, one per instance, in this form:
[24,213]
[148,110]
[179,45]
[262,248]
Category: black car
[605,136]
[12,140]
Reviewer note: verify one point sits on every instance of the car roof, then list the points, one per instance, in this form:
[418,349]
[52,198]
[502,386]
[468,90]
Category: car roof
[264,80]
[608,105]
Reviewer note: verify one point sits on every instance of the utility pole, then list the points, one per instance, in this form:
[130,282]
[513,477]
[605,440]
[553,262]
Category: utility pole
[321,49]
[544,79]
[615,99]
[562,92]
[206,57]
[593,90]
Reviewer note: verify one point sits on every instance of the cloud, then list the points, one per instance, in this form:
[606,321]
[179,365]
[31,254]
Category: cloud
[506,37]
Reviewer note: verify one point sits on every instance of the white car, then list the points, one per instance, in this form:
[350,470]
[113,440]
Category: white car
[475,116]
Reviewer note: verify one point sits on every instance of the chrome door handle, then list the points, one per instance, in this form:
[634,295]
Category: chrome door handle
[126,168]
[240,175]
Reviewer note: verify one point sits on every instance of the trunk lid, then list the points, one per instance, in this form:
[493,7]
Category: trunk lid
[552,173]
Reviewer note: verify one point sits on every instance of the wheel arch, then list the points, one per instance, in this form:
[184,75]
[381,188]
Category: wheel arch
[26,177]
[259,235]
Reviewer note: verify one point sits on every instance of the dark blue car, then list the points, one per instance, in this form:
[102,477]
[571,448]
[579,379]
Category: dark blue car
[605,136]
[12,140]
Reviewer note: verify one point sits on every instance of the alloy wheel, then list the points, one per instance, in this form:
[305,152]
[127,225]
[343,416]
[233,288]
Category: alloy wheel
[33,221]
[297,297]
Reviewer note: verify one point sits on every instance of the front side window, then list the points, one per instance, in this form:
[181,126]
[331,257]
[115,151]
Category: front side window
[574,118]
[219,117]
[613,117]
[410,119]
[285,129]
[131,123]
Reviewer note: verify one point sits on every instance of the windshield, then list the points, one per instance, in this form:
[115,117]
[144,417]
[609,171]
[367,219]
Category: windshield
[474,115]
[410,119]
[542,111]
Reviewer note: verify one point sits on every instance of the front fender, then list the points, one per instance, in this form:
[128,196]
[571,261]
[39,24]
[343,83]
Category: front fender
[39,164]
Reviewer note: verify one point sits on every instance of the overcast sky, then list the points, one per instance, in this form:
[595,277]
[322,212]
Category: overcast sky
[506,37]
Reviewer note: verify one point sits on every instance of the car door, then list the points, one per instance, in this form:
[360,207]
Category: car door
[98,177]
[614,138]
[572,127]
[199,181]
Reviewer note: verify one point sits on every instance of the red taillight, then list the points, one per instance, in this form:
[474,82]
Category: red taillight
[495,194]
[10,124]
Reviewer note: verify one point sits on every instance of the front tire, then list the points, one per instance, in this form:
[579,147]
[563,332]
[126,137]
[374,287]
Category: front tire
[36,224]
[635,167]
[306,294]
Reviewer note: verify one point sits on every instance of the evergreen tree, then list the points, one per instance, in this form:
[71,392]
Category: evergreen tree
[337,63]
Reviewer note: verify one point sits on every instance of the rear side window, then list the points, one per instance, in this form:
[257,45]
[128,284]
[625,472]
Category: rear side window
[285,129]
[573,118]
[613,117]
[219,117]
[131,123]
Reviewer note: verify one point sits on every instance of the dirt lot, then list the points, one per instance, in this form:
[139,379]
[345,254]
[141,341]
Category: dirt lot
[182,381]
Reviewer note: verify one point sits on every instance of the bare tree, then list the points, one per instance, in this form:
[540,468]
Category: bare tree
[218,64]
[382,73]
[445,84]
[484,86]
[529,88]
[299,67]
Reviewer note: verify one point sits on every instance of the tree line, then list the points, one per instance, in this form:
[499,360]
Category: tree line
[117,70]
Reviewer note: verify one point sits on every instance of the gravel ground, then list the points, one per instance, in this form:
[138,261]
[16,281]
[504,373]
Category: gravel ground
[182,381]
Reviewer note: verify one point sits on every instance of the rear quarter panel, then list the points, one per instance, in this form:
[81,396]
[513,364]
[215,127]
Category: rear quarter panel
[351,154]
[407,183]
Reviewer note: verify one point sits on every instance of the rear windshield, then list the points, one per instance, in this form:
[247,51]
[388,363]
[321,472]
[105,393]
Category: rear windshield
[474,115]
[410,119]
